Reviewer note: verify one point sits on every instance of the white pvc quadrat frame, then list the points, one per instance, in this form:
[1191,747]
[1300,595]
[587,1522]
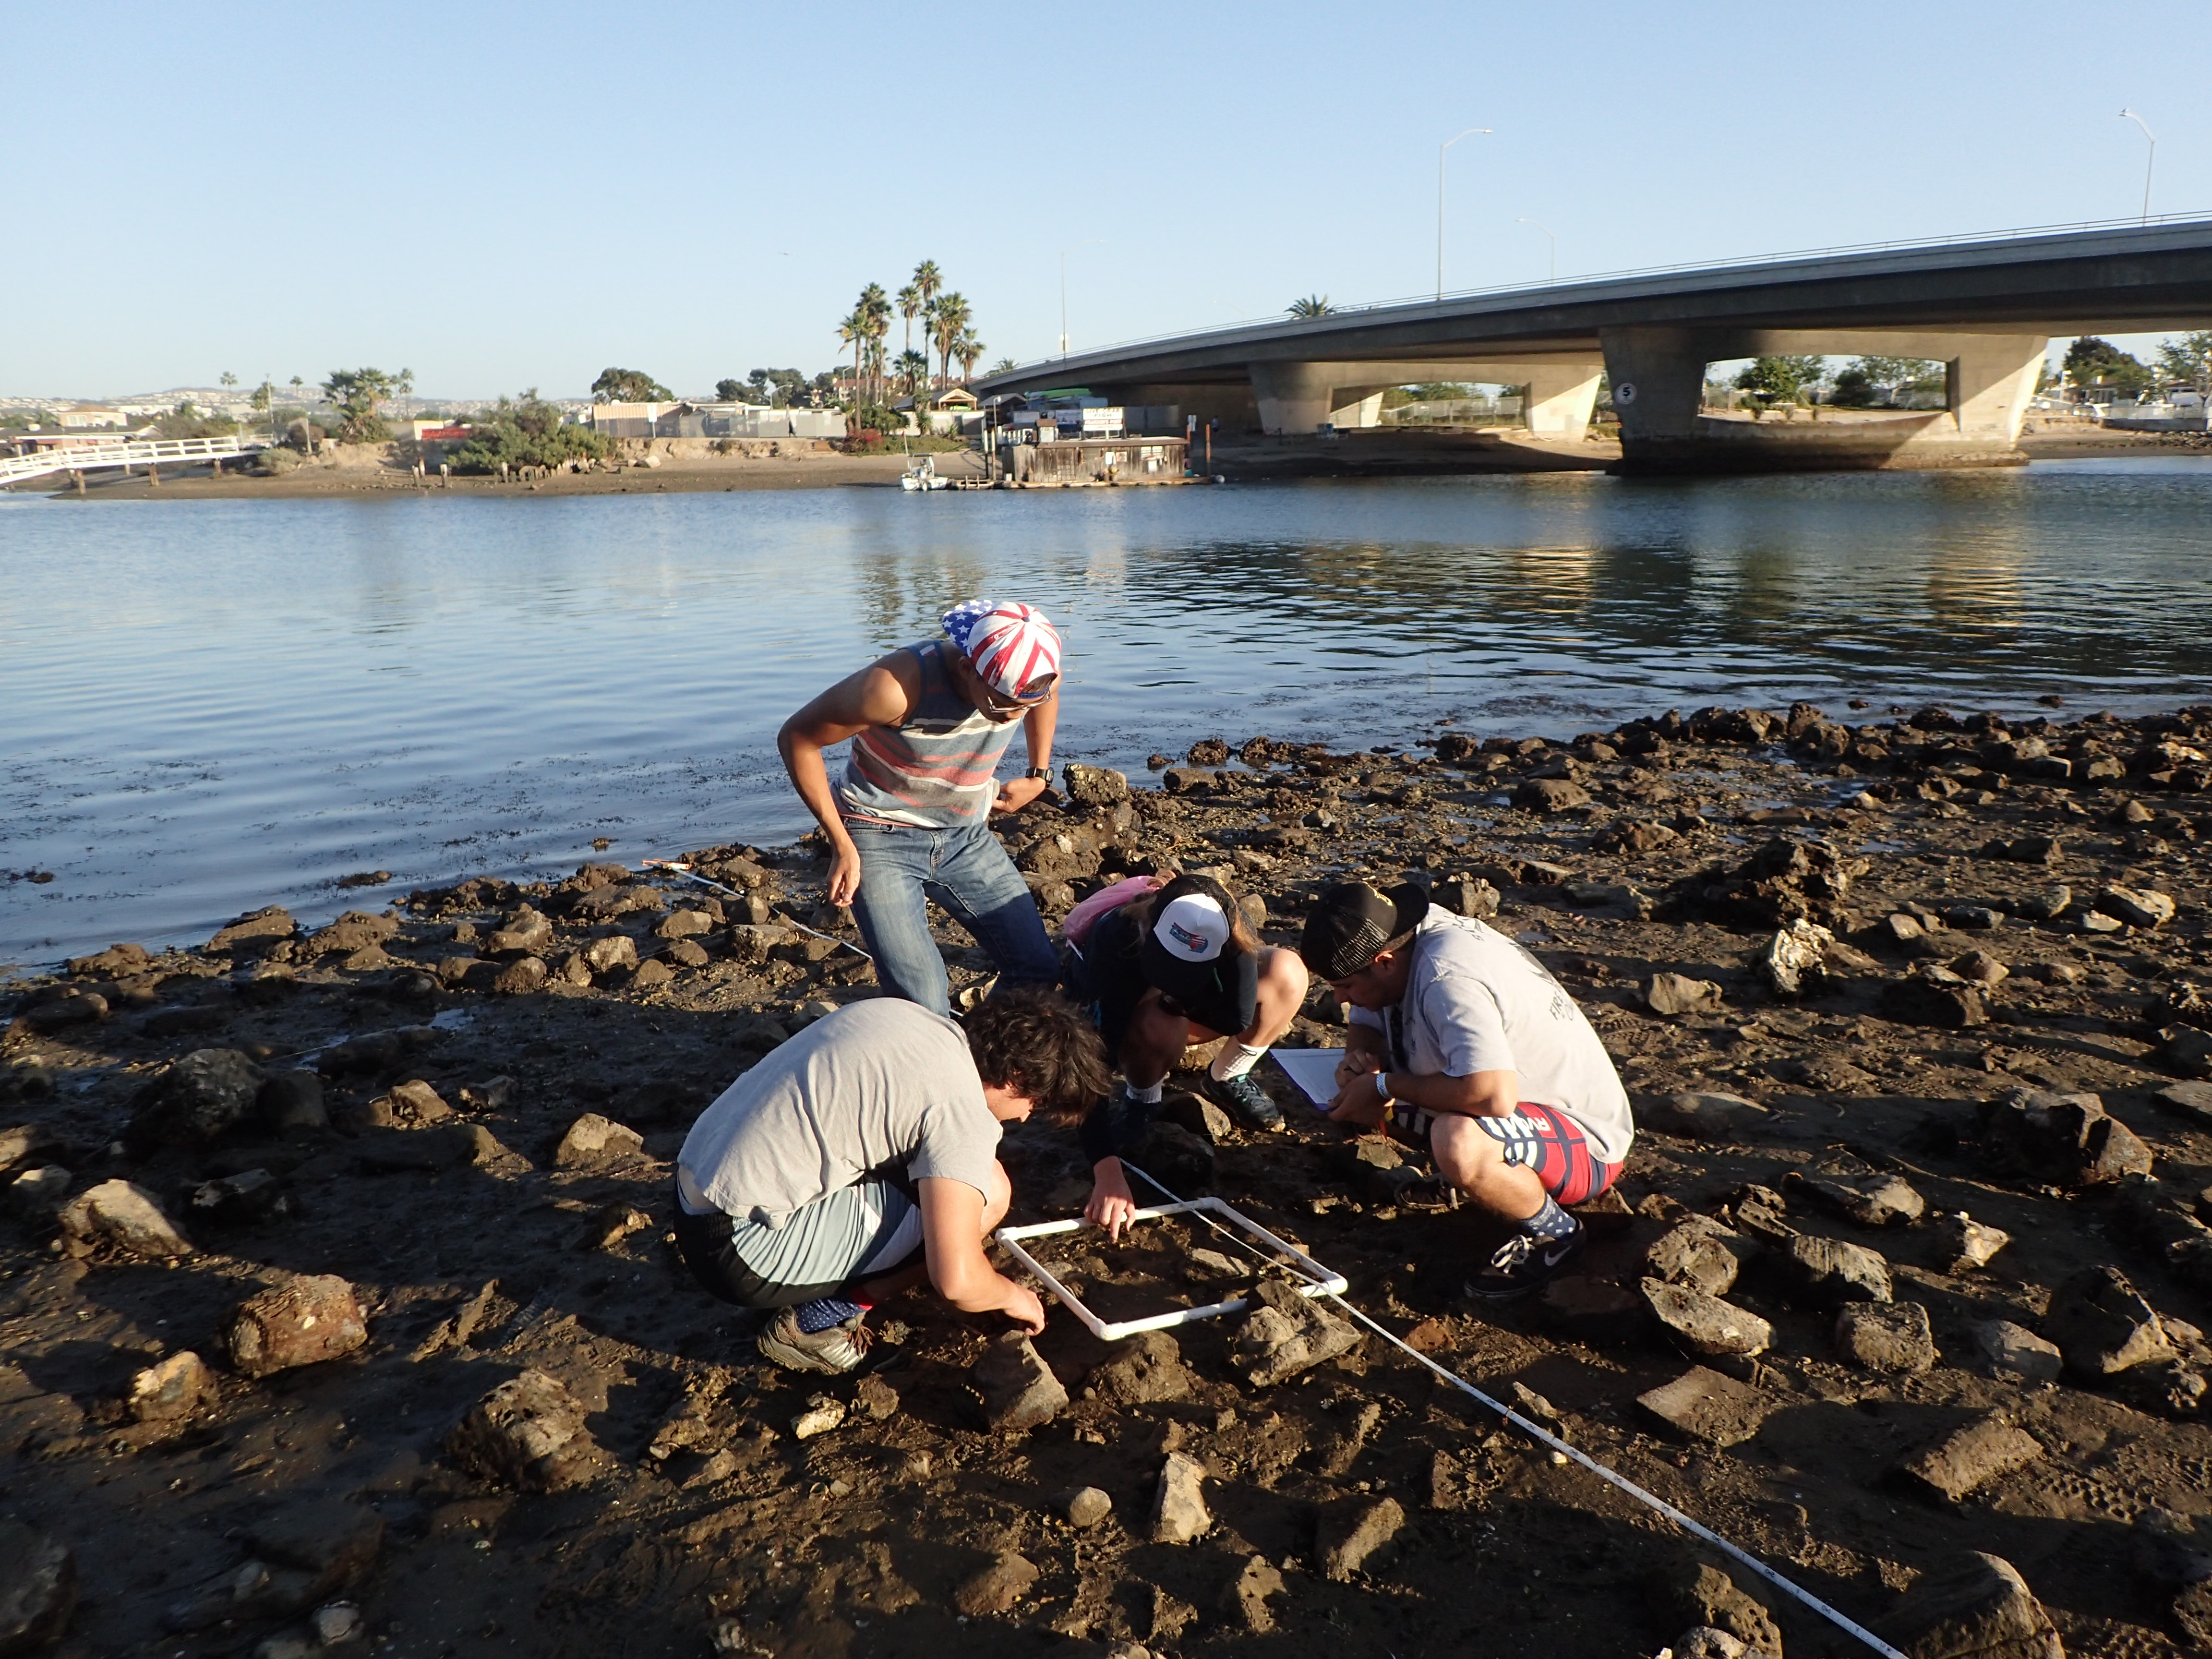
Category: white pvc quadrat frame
[1320,1281]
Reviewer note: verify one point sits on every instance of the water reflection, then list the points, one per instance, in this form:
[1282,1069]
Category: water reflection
[211,705]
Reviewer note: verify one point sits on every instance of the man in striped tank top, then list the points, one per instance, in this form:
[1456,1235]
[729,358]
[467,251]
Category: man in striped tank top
[910,820]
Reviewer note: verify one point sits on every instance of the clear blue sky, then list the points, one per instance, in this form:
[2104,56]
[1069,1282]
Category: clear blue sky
[508,195]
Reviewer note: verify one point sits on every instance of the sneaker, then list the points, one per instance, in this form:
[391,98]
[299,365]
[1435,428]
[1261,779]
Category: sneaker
[1523,1263]
[1245,1100]
[833,1349]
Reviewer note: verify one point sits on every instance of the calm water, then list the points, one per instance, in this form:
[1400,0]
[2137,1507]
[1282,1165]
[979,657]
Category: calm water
[208,705]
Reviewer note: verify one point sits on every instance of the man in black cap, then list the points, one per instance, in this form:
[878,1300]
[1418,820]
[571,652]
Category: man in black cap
[1162,969]
[1464,1039]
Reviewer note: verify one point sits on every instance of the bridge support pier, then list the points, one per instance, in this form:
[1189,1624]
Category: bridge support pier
[1658,386]
[1297,398]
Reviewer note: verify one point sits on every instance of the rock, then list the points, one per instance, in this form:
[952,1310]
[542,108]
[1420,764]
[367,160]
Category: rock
[1286,1333]
[875,1398]
[823,1413]
[1245,1601]
[2012,1350]
[303,1321]
[1179,1512]
[1706,1324]
[114,963]
[684,924]
[1467,896]
[1146,1367]
[2187,1049]
[1706,1406]
[1186,781]
[688,953]
[25,1140]
[330,1540]
[1796,958]
[2170,1551]
[1595,1310]
[1085,1507]
[1963,1243]
[1869,1197]
[59,1013]
[1980,967]
[616,952]
[414,1105]
[2138,907]
[1706,1597]
[1699,1116]
[2046,905]
[527,1433]
[525,931]
[1889,1337]
[179,1387]
[521,976]
[204,1096]
[996,1588]
[1019,1390]
[594,1140]
[354,930]
[1352,1532]
[651,973]
[610,1223]
[1764,1213]
[2188,1100]
[38,1589]
[1673,994]
[1937,997]
[125,1216]
[38,1194]
[1095,786]
[337,1624]
[1825,1272]
[1972,1457]
[254,933]
[1551,795]
[2102,1325]
[1699,1253]
[447,1147]
[1182,1160]
[1969,1606]
[2069,1139]
[1704,1642]
[291,1103]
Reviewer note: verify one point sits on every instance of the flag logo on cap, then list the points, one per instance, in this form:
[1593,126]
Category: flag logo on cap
[1192,929]
[1011,645]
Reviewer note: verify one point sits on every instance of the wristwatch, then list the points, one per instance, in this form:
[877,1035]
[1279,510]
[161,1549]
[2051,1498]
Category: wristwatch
[1044,772]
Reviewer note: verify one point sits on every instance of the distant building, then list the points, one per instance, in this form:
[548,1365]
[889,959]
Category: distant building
[86,415]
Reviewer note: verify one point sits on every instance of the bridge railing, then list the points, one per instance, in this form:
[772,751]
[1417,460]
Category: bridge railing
[134,451]
[1749,262]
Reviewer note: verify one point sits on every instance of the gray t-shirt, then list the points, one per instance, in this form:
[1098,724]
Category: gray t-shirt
[879,1087]
[1478,1002]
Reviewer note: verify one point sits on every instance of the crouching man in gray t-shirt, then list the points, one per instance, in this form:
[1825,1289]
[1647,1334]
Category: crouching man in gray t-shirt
[1467,1041]
[862,1153]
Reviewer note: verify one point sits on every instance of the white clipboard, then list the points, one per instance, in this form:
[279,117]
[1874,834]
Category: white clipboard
[1314,1070]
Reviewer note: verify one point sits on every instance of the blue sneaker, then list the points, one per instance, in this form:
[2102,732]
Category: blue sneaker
[1246,1101]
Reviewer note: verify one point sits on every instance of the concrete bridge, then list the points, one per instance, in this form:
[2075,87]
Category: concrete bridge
[1987,307]
[126,453]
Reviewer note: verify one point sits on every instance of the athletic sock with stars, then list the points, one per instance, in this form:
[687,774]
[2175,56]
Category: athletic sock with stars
[1551,1222]
[822,1313]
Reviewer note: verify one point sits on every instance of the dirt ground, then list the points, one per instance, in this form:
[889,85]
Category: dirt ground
[486,1238]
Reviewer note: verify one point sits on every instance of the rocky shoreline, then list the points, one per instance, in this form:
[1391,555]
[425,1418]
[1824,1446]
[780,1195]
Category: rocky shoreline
[337,1299]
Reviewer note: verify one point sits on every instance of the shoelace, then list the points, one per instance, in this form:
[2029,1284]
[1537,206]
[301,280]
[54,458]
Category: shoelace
[1513,1252]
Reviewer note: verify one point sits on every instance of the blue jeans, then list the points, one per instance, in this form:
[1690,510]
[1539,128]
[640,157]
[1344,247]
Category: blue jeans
[968,873]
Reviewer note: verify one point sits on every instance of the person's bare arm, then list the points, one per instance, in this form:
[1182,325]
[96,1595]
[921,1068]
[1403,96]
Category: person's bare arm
[1478,1094]
[952,1244]
[1038,728]
[1111,1205]
[882,694]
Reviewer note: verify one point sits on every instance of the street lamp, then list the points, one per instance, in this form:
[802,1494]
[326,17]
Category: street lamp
[2129,115]
[1064,252]
[1546,230]
[1441,148]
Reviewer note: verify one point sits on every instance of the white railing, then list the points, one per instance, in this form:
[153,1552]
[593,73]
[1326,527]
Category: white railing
[124,451]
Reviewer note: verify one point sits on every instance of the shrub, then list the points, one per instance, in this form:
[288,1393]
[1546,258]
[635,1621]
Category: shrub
[528,433]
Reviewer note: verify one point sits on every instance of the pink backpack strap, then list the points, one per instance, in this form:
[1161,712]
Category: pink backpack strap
[1076,929]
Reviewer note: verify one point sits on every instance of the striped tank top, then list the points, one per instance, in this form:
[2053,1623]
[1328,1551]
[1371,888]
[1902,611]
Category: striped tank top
[939,770]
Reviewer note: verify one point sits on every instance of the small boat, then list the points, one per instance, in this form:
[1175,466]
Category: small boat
[921,474]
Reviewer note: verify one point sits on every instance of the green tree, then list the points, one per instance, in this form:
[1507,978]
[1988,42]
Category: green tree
[526,431]
[909,306]
[853,329]
[1781,379]
[928,282]
[912,369]
[874,310]
[1004,365]
[968,349]
[629,386]
[1313,305]
[730,391]
[2093,361]
[948,320]
[2188,359]
[1865,382]
[358,394]
[230,379]
[780,388]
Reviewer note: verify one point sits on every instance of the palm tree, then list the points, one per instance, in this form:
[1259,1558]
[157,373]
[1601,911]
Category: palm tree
[968,349]
[910,304]
[875,308]
[1005,365]
[1313,305]
[875,367]
[949,320]
[854,331]
[914,370]
[928,281]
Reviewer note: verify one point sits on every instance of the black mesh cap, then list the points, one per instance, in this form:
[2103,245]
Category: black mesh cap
[1349,924]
